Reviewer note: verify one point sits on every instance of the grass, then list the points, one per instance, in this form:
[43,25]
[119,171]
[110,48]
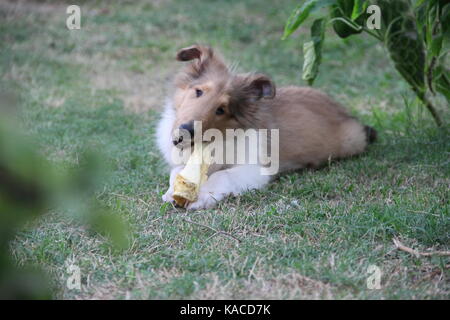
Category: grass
[311,234]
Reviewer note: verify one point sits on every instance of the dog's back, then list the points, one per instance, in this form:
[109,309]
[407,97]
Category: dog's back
[313,128]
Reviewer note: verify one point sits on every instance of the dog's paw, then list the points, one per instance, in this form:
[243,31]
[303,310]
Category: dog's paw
[205,200]
[216,188]
[167,197]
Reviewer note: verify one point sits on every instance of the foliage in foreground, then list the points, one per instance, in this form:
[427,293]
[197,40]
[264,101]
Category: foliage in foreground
[416,34]
[29,187]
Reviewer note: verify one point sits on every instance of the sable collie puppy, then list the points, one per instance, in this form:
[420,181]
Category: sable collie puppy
[312,127]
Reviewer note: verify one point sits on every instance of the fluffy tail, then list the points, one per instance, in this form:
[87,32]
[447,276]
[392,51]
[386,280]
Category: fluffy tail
[371,134]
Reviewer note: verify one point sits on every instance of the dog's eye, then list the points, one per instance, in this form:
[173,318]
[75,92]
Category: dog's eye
[198,93]
[220,111]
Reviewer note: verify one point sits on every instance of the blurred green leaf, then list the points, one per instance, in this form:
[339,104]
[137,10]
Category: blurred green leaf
[342,13]
[110,225]
[436,44]
[29,187]
[301,13]
[442,81]
[312,51]
[359,7]
[407,51]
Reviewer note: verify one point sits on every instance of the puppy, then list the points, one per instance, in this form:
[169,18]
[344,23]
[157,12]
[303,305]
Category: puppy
[312,128]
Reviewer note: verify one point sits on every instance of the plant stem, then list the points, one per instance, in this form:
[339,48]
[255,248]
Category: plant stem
[373,34]
[429,106]
[433,112]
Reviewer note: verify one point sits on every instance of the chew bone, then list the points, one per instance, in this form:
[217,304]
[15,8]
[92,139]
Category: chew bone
[194,174]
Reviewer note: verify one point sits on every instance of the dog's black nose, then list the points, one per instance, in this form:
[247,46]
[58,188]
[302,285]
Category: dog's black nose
[189,126]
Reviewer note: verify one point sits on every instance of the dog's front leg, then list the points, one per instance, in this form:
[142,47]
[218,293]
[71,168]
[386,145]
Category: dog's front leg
[233,181]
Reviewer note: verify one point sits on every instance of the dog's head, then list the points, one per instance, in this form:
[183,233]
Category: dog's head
[207,91]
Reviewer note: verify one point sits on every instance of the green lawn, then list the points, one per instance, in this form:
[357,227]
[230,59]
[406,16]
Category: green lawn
[311,234]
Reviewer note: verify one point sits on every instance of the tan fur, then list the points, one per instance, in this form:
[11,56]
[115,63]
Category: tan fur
[313,127]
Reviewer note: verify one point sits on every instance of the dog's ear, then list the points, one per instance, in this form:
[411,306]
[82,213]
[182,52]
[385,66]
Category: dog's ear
[203,59]
[203,56]
[260,86]
[247,90]
[194,52]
